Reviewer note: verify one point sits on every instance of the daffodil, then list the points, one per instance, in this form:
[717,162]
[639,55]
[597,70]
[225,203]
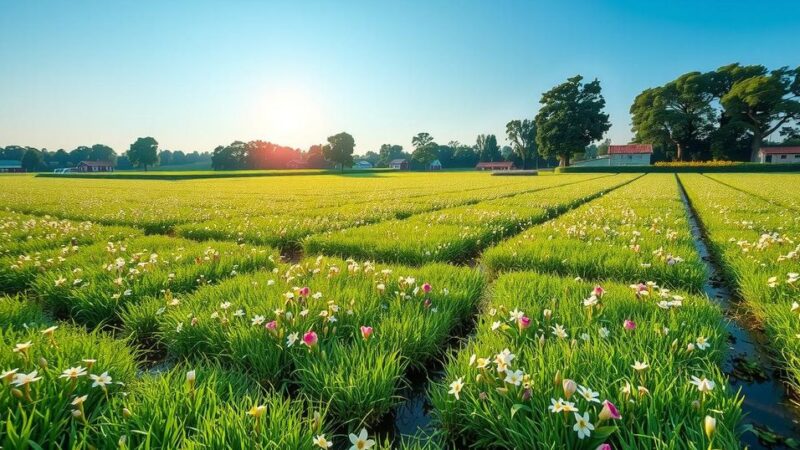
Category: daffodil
[582,425]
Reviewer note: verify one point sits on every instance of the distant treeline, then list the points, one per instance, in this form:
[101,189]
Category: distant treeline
[35,160]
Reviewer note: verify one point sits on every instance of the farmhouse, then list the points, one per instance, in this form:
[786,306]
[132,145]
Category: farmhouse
[779,155]
[435,165]
[630,155]
[363,165]
[399,164]
[501,165]
[94,166]
[10,166]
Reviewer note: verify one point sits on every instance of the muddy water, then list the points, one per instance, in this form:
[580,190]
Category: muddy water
[767,405]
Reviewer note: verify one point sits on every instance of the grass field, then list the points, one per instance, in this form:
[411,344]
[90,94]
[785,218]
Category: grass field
[295,311]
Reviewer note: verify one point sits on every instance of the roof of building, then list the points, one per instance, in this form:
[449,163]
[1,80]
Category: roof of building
[780,150]
[10,163]
[397,161]
[630,149]
[495,164]
[436,162]
[363,162]
[97,163]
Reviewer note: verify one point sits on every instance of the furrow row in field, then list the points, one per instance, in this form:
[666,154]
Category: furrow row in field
[455,234]
[633,234]
[756,243]
[774,188]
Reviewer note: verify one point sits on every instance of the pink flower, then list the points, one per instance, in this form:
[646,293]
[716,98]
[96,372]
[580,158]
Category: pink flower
[629,324]
[524,322]
[609,411]
[598,291]
[604,447]
[310,339]
[272,326]
[366,332]
[304,291]
[426,288]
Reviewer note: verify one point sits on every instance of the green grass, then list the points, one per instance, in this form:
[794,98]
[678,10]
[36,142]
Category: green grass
[494,413]
[625,236]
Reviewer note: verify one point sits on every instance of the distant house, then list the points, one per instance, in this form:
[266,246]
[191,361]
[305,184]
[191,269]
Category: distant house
[779,155]
[435,165]
[11,166]
[94,166]
[630,155]
[363,164]
[297,164]
[500,165]
[399,164]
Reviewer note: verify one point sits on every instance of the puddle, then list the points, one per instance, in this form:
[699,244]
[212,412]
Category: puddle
[771,417]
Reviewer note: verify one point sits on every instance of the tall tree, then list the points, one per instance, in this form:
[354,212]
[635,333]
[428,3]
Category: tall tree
[32,160]
[421,139]
[571,117]
[425,154]
[143,152]
[487,148]
[230,157]
[100,152]
[678,113]
[339,149]
[764,103]
[522,134]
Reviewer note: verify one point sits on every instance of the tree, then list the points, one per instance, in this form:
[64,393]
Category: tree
[425,154]
[602,149]
[571,117]
[487,148]
[339,149]
[315,159]
[61,157]
[465,156]
[143,152]
[100,152]
[764,103]
[421,140]
[32,160]
[678,113]
[389,152]
[522,134]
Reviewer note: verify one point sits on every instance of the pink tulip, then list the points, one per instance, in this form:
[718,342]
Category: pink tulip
[366,332]
[310,339]
[524,322]
[426,288]
[598,291]
[629,324]
[304,291]
[271,326]
[604,447]
[609,411]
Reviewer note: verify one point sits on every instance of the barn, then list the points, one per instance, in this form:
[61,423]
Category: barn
[94,166]
[500,165]
[630,154]
[779,155]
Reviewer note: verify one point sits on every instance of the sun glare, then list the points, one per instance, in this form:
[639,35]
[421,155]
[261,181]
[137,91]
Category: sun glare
[290,108]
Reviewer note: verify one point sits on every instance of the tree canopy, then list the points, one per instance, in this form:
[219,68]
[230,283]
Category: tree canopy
[487,148]
[571,117]
[143,152]
[339,149]
[522,135]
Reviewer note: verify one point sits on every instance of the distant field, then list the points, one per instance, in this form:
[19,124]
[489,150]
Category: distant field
[331,298]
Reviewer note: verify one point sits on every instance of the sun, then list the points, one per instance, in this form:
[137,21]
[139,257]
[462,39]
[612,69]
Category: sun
[289,108]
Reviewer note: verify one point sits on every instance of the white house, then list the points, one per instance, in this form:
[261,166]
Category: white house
[363,165]
[435,165]
[399,164]
[779,155]
[629,155]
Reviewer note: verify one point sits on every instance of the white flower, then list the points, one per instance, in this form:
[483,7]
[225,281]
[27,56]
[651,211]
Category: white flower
[603,332]
[455,387]
[361,442]
[101,380]
[73,373]
[639,366]
[589,394]
[516,315]
[559,331]
[257,320]
[292,338]
[496,325]
[702,343]
[514,377]
[582,425]
[705,385]
[21,379]
[320,440]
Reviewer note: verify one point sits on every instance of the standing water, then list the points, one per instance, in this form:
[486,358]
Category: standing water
[771,418]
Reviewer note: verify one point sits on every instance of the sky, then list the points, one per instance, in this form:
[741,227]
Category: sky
[197,74]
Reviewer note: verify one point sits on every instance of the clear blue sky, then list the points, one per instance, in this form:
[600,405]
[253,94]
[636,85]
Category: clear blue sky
[196,74]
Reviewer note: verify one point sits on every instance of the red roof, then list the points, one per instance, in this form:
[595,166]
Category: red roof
[629,149]
[495,164]
[96,163]
[779,150]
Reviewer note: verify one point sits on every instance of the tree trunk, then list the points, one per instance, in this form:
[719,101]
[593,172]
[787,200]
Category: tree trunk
[679,152]
[755,146]
[564,161]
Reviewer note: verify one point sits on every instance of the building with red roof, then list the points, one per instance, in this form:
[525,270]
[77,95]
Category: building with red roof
[779,155]
[630,154]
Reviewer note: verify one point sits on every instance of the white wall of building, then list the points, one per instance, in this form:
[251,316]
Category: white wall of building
[781,158]
[638,159]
